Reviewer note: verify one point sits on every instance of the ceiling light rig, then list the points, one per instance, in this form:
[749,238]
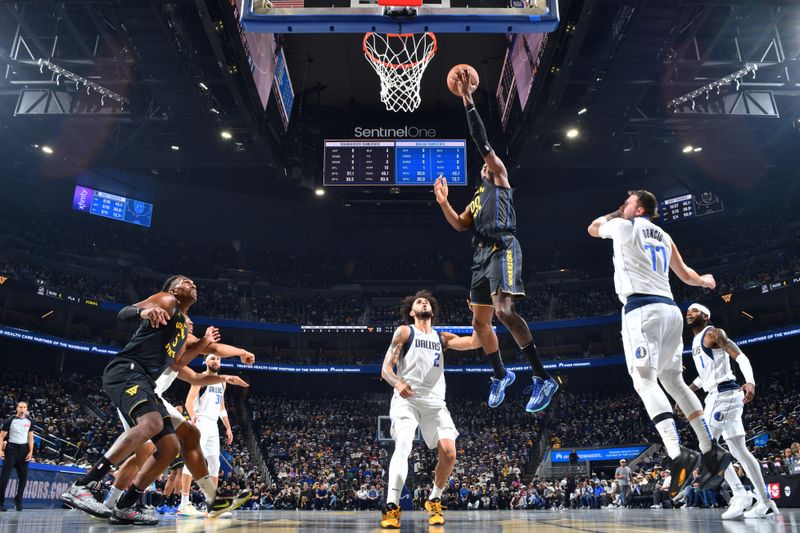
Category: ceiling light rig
[78,81]
[706,90]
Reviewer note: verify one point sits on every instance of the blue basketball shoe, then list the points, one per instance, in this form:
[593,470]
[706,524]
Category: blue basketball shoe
[497,392]
[542,391]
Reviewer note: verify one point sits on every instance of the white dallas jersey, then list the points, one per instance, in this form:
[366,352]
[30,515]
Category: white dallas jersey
[422,365]
[208,404]
[642,252]
[713,364]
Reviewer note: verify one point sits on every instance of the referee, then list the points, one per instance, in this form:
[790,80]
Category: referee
[16,453]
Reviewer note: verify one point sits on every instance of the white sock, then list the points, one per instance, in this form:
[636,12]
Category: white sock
[184,500]
[749,463]
[669,436]
[734,481]
[398,466]
[112,497]
[206,485]
[436,492]
[700,427]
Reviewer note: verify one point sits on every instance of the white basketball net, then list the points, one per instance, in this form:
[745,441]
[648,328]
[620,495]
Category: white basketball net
[400,59]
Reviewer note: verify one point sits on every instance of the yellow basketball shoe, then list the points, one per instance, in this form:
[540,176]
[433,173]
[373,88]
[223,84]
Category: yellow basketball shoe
[434,508]
[390,517]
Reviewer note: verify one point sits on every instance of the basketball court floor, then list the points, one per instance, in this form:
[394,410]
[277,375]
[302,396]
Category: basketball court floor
[584,521]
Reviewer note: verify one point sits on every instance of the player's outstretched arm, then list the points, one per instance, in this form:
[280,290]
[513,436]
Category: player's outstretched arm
[687,274]
[478,131]
[717,338]
[193,378]
[399,338]
[158,309]
[460,222]
[226,350]
[455,342]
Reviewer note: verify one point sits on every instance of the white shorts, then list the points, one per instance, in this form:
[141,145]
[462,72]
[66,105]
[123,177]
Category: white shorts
[652,335]
[174,416]
[209,444]
[431,416]
[723,412]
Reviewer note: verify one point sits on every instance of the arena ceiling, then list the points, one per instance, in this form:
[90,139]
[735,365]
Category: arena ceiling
[182,67]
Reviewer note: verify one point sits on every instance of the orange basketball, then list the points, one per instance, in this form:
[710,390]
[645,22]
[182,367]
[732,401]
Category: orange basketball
[452,76]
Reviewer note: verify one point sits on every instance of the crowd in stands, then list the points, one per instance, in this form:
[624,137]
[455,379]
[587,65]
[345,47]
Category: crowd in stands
[103,260]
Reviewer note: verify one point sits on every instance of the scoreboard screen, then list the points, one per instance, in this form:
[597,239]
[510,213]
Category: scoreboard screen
[107,205]
[689,206]
[394,162]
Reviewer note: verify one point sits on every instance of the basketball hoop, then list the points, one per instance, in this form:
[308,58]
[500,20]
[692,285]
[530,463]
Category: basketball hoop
[400,59]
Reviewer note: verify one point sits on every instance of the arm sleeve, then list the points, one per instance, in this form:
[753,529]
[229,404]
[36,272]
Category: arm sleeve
[477,130]
[617,228]
[746,368]
[129,312]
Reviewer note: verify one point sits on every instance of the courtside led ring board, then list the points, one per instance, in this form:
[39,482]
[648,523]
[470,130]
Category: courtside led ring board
[400,16]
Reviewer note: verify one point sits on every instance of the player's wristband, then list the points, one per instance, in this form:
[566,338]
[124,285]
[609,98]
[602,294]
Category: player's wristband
[601,220]
[746,368]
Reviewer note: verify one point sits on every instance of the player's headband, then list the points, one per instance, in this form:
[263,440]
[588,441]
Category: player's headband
[702,308]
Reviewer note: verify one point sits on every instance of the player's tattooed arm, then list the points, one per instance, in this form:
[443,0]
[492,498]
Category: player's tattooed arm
[717,338]
[399,338]
[455,342]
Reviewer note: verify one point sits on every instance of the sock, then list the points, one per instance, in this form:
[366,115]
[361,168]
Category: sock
[206,485]
[733,480]
[97,472]
[130,497]
[700,427]
[184,500]
[739,450]
[536,363]
[436,492]
[497,364]
[112,497]
[669,436]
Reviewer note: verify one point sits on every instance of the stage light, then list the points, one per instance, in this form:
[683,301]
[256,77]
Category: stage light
[203,86]
[698,149]
[582,111]
[175,148]
[688,148]
[319,192]
[572,133]
[225,134]
[46,149]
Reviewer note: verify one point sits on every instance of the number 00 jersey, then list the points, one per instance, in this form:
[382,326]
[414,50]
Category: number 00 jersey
[642,252]
[713,364]
[422,364]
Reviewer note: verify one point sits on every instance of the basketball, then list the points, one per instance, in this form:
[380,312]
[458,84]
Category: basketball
[452,77]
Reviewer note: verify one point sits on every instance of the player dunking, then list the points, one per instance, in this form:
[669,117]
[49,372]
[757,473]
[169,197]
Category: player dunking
[128,380]
[205,409]
[652,330]
[496,263]
[712,352]
[418,400]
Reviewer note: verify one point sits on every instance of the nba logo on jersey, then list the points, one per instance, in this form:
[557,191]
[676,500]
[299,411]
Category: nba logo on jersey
[719,416]
[641,352]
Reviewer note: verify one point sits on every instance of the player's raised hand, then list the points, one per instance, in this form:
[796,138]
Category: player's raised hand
[247,358]
[463,84]
[212,335]
[404,389]
[708,281]
[157,316]
[235,381]
[440,189]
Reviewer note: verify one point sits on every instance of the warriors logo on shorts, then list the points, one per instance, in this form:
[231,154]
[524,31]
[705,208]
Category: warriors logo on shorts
[641,352]
[719,416]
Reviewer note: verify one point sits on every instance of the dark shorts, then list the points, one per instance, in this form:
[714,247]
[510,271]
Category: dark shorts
[132,391]
[496,270]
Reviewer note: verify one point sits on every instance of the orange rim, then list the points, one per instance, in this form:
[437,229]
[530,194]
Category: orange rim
[399,65]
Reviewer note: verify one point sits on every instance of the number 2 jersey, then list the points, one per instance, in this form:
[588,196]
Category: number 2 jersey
[642,253]
[422,365]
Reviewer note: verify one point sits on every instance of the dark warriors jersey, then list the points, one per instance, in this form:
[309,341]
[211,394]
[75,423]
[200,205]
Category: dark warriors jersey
[493,216]
[155,348]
